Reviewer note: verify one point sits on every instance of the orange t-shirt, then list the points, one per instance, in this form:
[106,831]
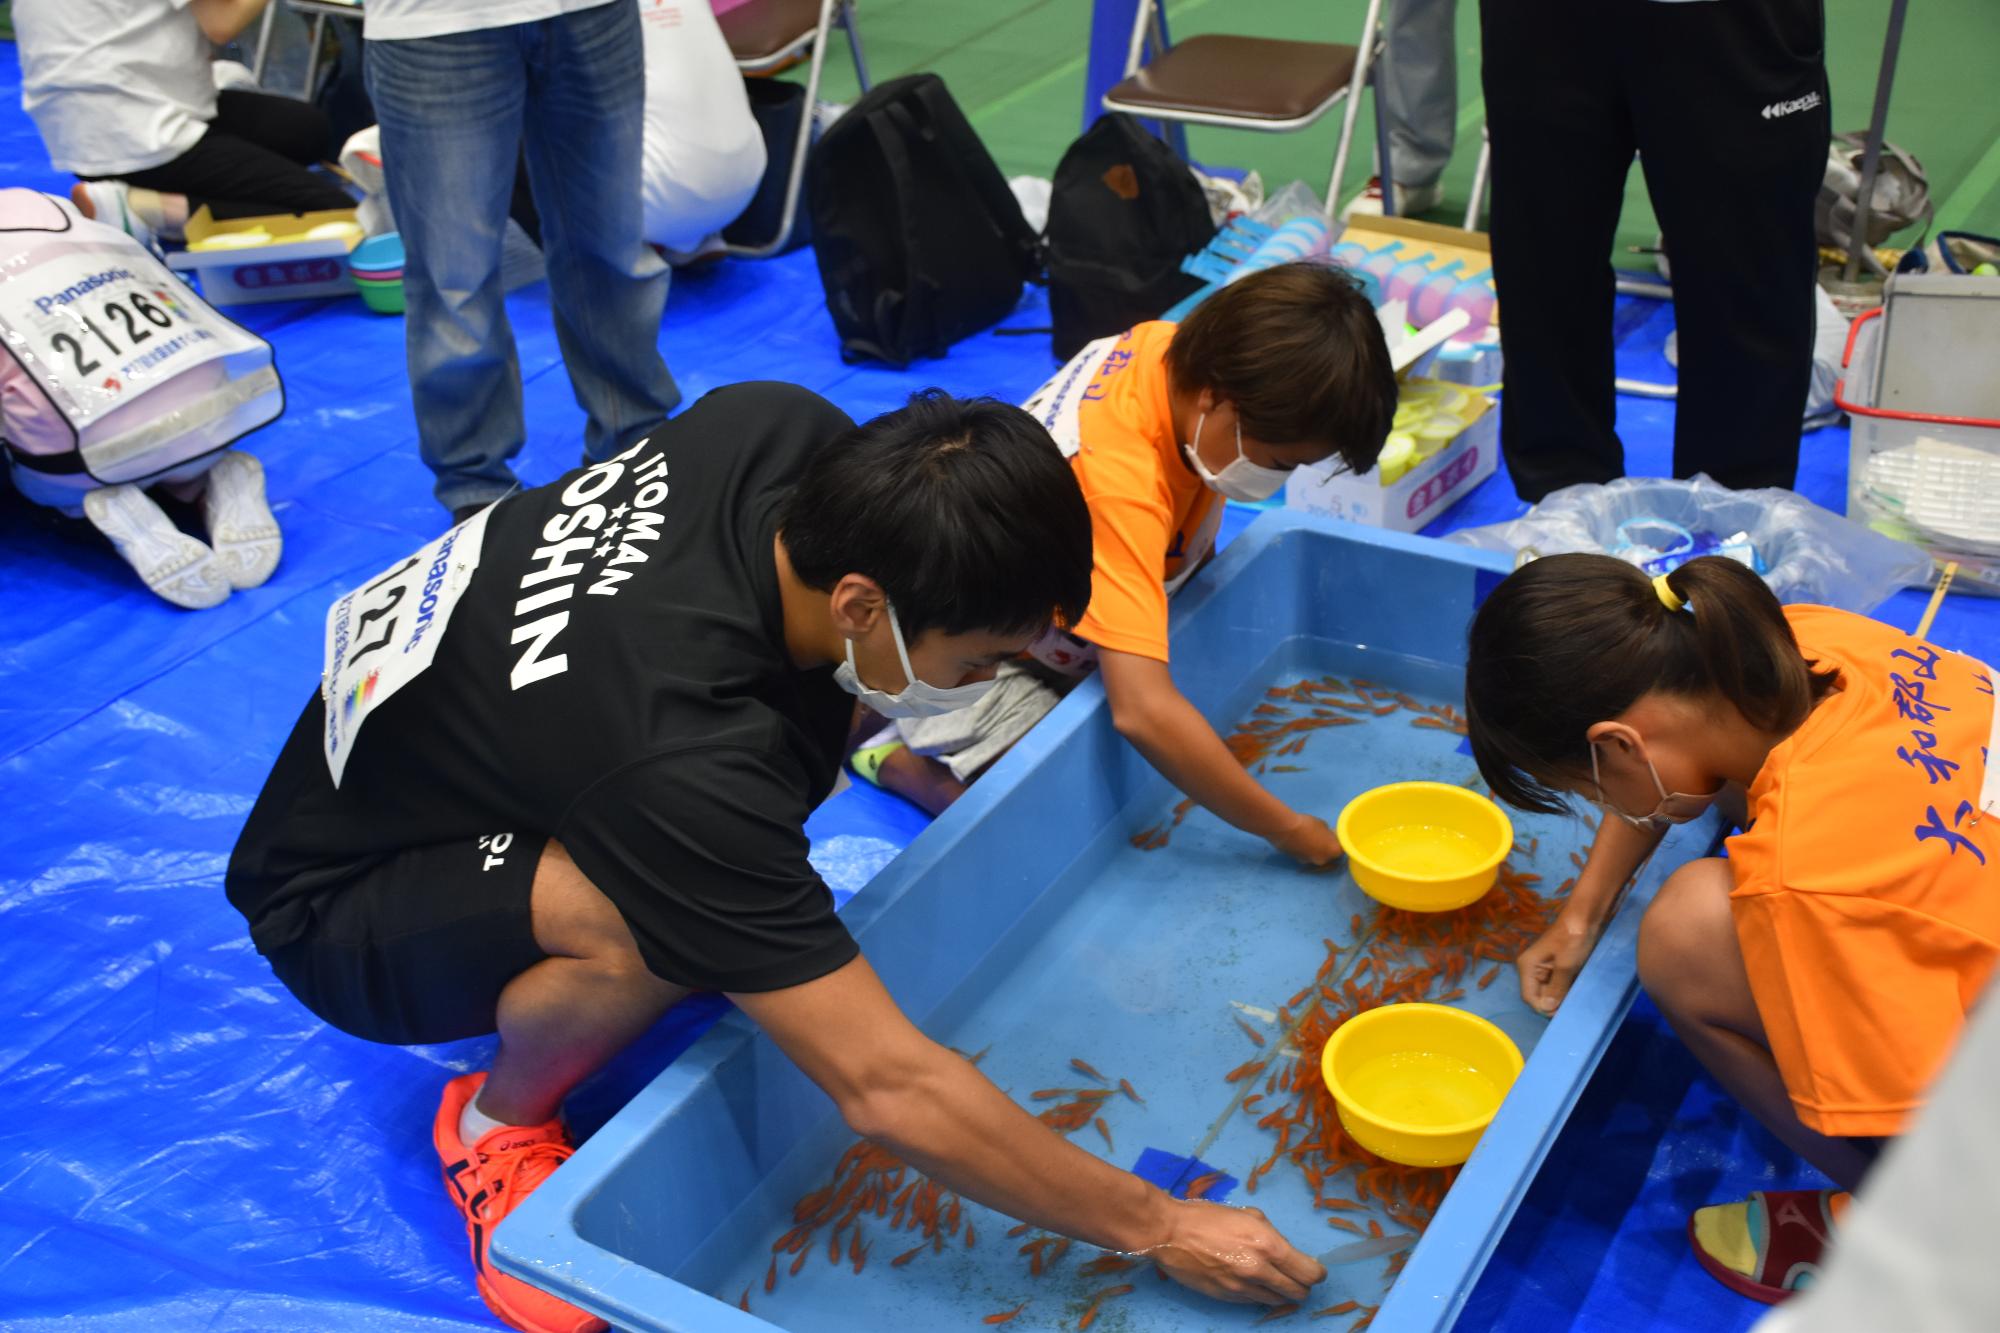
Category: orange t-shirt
[1151,518]
[1867,894]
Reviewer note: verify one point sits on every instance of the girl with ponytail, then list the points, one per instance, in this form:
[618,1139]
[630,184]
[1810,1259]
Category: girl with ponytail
[1822,972]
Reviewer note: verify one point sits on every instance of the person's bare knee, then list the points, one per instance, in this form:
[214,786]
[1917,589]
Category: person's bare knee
[1687,938]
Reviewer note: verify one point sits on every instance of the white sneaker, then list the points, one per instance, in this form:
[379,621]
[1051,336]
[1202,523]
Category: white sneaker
[1410,200]
[170,562]
[245,536]
[110,202]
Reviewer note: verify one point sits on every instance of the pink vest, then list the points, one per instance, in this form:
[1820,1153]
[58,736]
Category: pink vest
[114,370]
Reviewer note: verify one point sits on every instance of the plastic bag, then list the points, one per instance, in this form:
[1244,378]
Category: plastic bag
[361,159]
[1809,554]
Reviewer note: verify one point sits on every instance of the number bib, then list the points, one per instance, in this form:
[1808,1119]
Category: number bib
[1058,404]
[98,322]
[382,636]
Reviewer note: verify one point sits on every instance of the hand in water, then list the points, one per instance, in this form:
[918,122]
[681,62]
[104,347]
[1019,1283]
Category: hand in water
[1310,842]
[1549,966]
[1234,1254]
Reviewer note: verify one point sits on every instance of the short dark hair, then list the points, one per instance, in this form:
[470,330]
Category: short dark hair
[1569,641]
[963,509]
[1299,352]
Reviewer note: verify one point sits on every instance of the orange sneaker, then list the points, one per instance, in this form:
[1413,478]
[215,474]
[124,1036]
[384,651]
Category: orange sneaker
[488,1181]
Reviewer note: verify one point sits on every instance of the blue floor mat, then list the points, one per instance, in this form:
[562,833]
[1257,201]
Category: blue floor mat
[183,1146]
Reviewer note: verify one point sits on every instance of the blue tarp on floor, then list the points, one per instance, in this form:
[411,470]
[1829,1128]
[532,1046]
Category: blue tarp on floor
[182,1146]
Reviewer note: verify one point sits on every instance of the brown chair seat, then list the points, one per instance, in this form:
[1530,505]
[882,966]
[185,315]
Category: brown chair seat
[764,30]
[1251,78]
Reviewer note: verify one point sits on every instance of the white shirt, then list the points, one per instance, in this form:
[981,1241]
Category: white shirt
[702,156]
[400,20]
[115,86]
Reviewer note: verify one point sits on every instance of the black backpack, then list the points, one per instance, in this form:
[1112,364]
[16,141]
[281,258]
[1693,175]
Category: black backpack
[919,240]
[1125,212]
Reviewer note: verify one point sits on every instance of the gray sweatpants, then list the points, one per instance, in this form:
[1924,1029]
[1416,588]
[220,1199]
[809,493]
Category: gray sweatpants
[1419,88]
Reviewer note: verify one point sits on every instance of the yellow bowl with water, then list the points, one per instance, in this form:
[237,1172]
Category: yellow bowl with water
[1418,1083]
[1424,846]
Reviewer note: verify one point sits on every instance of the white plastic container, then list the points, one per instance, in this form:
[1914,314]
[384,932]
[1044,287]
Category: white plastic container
[1931,478]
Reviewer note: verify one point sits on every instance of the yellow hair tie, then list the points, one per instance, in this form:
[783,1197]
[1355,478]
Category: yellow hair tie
[1667,596]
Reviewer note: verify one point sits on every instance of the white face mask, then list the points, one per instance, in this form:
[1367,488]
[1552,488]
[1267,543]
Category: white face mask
[917,698]
[1242,480]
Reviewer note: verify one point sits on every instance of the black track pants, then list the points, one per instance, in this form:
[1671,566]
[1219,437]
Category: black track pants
[1725,101]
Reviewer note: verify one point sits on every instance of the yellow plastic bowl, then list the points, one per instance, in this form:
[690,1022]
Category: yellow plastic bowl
[1418,1083]
[1424,846]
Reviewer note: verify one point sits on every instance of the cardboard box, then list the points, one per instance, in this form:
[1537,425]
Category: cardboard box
[1433,485]
[1446,243]
[290,266]
[1415,498]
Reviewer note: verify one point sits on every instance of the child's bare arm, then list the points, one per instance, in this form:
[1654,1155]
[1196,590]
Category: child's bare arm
[1552,962]
[1151,713]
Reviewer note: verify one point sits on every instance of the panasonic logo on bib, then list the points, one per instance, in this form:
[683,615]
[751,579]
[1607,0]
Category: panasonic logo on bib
[1806,103]
[81,287]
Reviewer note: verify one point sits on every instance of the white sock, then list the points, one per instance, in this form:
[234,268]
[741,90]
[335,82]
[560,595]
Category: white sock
[474,1124]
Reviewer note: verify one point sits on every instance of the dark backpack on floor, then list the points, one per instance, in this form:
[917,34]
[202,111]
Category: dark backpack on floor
[1125,212]
[919,240]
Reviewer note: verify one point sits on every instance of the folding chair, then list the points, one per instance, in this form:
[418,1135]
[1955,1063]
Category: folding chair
[1253,83]
[1480,175]
[767,35]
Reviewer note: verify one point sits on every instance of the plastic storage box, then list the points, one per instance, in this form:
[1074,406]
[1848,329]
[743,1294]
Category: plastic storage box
[1026,920]
[1924,456]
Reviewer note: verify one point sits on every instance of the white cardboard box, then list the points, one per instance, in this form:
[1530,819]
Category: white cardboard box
[1429,488]
[288,267]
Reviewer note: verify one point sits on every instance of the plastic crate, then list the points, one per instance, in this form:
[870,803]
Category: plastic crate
[1930,478]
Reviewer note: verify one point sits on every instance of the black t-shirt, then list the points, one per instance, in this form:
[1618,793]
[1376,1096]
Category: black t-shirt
[648,718]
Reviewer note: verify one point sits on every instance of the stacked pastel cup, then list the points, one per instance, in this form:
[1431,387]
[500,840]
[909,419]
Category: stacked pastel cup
[377,265]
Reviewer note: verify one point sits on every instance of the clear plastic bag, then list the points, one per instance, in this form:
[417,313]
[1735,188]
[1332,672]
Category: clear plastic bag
[1807,554]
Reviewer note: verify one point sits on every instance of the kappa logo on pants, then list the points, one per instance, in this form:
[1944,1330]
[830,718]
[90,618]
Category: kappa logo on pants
[1806,103]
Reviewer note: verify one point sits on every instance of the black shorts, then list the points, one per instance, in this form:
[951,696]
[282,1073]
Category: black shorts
[417,947]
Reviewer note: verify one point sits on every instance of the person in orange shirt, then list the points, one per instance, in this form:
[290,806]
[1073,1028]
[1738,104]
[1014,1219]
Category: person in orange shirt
[1162,423]
[1824,969]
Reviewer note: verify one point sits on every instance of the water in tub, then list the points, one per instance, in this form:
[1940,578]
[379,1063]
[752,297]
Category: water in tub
[1165,1008]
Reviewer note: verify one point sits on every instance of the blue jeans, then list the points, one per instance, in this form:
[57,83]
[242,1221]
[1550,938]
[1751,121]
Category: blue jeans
[455,112]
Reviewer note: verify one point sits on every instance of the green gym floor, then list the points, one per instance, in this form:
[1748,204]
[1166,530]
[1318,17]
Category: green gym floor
[1017,68]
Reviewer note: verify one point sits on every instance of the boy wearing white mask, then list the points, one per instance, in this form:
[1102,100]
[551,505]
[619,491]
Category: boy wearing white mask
[556,776]
[1162,423]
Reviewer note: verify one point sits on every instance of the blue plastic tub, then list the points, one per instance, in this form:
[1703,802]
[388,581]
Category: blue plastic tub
[1026,922]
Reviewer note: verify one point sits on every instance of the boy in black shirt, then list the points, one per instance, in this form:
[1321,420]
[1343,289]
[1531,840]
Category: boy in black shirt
[557,774]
